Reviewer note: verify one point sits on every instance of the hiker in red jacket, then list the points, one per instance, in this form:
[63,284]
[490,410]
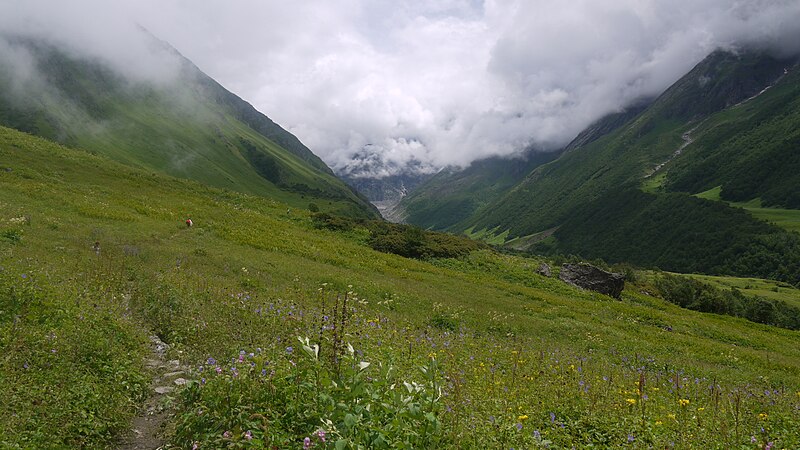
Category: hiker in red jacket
[189,223]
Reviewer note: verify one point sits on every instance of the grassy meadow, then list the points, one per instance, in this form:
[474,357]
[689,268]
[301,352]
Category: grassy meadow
[307,338]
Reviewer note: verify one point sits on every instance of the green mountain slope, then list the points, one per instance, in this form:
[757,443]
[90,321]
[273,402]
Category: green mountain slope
[751,150]
[505,352]
[450,200]
[454,195]
[185,125]
[590,199]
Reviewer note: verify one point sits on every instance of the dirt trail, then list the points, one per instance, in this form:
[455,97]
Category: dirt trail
[147,426]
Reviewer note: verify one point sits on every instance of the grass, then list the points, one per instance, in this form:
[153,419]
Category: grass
[510,358]
[788,219]
[769,289]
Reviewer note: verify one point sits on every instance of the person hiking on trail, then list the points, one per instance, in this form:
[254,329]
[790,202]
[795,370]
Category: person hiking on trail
[189,223]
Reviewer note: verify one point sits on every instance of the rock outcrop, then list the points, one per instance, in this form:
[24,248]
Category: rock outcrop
[544,270]
[589,277]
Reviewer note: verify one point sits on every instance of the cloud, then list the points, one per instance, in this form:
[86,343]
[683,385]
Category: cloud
[426,83]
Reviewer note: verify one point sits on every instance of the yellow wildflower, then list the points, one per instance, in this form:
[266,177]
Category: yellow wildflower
[658,422]
[763,416]
[522,418]
[631,401]
[683,402]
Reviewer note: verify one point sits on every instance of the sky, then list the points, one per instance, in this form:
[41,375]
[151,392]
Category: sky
[427,83]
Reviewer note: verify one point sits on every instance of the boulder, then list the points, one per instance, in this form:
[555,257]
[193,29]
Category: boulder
[589,277]
[544,270]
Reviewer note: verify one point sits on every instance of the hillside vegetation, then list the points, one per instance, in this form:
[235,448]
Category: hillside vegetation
[183,124]
[621,190]
[476,351]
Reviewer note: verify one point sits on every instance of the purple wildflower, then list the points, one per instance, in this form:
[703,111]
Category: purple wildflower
[306,443]
[519,426]
[289,349]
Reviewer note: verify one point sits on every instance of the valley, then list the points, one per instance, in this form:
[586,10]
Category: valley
[179,271]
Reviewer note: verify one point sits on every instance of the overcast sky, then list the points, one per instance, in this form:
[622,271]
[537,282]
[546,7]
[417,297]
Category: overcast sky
[439,81]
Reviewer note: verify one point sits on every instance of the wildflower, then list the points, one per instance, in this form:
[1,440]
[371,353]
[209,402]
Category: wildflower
[306,443]
[631,438]
[753,439]
[519,426]
[211,361]
[537,435]
[218,369]
[683,402]
[552,417]
[631,401]
[321,435]
[763,416]
[248,435]
[195,446]
[658,422]
[522,418]
[769,445]
[289,349]
[227,435]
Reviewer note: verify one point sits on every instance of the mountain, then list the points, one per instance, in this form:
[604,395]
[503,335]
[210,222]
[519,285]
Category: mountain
[623,192]
[453,195]
[103,289]
[384,182]
[183,124]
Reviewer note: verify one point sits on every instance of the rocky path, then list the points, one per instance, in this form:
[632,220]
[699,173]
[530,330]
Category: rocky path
[146,428]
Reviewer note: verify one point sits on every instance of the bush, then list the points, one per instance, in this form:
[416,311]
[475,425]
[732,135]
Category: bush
[305,399]
[698,296]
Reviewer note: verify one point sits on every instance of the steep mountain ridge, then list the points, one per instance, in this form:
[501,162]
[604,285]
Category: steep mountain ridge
[596,200]
[186,125]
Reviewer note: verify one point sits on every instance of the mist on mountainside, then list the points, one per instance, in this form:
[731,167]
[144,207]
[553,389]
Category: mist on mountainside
[439,84]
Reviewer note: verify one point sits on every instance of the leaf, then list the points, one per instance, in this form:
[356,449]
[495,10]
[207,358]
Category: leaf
[349,421]
[341,444]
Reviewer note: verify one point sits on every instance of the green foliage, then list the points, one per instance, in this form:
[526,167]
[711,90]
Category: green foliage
[698,296]
[452,196]
[414,242]
[749,150]
[257,402]
[521,360]
[71,370]
[189,127]
[678,232]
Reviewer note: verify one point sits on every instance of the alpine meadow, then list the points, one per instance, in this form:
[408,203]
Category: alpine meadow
[178,271]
